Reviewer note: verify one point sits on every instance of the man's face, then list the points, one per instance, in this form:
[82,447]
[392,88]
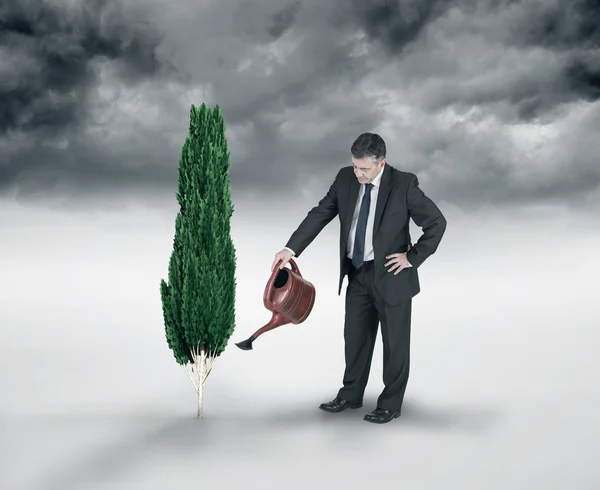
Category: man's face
[365,170]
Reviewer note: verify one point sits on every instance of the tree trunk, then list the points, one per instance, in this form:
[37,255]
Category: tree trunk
[201,370]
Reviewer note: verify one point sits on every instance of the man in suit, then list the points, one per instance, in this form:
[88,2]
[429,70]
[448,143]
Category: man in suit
[374,202]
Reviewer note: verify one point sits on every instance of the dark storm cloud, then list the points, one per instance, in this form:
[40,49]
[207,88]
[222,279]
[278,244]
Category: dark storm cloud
[44,167]
[51,50]
[572,30]
[563,25]
[281,21]
[547,54]
[485,101]
[308,79]
[583,77]
[310,84]
[394,24]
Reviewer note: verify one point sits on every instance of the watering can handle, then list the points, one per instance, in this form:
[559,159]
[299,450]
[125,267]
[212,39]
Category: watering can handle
[267,297]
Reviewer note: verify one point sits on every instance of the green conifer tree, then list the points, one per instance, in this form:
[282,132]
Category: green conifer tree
[198,302]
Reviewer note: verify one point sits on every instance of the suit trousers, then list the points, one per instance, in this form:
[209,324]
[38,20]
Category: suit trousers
[365,309]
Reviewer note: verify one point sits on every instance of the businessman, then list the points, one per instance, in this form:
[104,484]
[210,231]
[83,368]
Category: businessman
[374,202]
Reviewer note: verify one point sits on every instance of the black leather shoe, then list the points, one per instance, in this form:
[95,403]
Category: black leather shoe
[338,405]
[381,416]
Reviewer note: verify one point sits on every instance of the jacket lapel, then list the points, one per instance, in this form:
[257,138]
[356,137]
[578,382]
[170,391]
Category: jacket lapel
[351,205]
[384,192]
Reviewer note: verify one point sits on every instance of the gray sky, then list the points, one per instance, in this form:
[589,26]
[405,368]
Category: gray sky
[494,105]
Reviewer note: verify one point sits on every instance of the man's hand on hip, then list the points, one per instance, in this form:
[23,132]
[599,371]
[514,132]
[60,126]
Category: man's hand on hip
[399,262]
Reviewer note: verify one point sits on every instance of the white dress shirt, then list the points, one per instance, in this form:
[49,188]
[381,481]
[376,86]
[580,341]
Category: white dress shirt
[369,255]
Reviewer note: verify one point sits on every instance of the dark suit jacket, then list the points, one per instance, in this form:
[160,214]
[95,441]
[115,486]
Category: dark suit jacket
[399,199]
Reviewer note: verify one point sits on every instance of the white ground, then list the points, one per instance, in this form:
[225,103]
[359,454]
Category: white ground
[503,393]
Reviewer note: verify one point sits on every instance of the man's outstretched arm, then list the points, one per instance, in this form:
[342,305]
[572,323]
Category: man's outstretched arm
[316,219]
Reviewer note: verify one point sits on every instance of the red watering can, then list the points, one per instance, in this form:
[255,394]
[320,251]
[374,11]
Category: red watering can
[289,296]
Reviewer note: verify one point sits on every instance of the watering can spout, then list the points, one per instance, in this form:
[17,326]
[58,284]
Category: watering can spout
[288,296]
[276,321]
[246,344]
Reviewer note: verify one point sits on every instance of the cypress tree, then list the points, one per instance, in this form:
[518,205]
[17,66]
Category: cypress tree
[198,302]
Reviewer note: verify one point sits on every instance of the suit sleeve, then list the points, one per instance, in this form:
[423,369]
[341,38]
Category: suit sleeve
[316,219]
[429,218]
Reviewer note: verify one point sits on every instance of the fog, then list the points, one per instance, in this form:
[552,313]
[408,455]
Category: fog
[502,393]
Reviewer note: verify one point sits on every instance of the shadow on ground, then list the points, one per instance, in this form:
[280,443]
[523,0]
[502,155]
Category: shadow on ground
[238,434]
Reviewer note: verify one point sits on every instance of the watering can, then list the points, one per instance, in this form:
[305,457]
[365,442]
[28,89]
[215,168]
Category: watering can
[289,296]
